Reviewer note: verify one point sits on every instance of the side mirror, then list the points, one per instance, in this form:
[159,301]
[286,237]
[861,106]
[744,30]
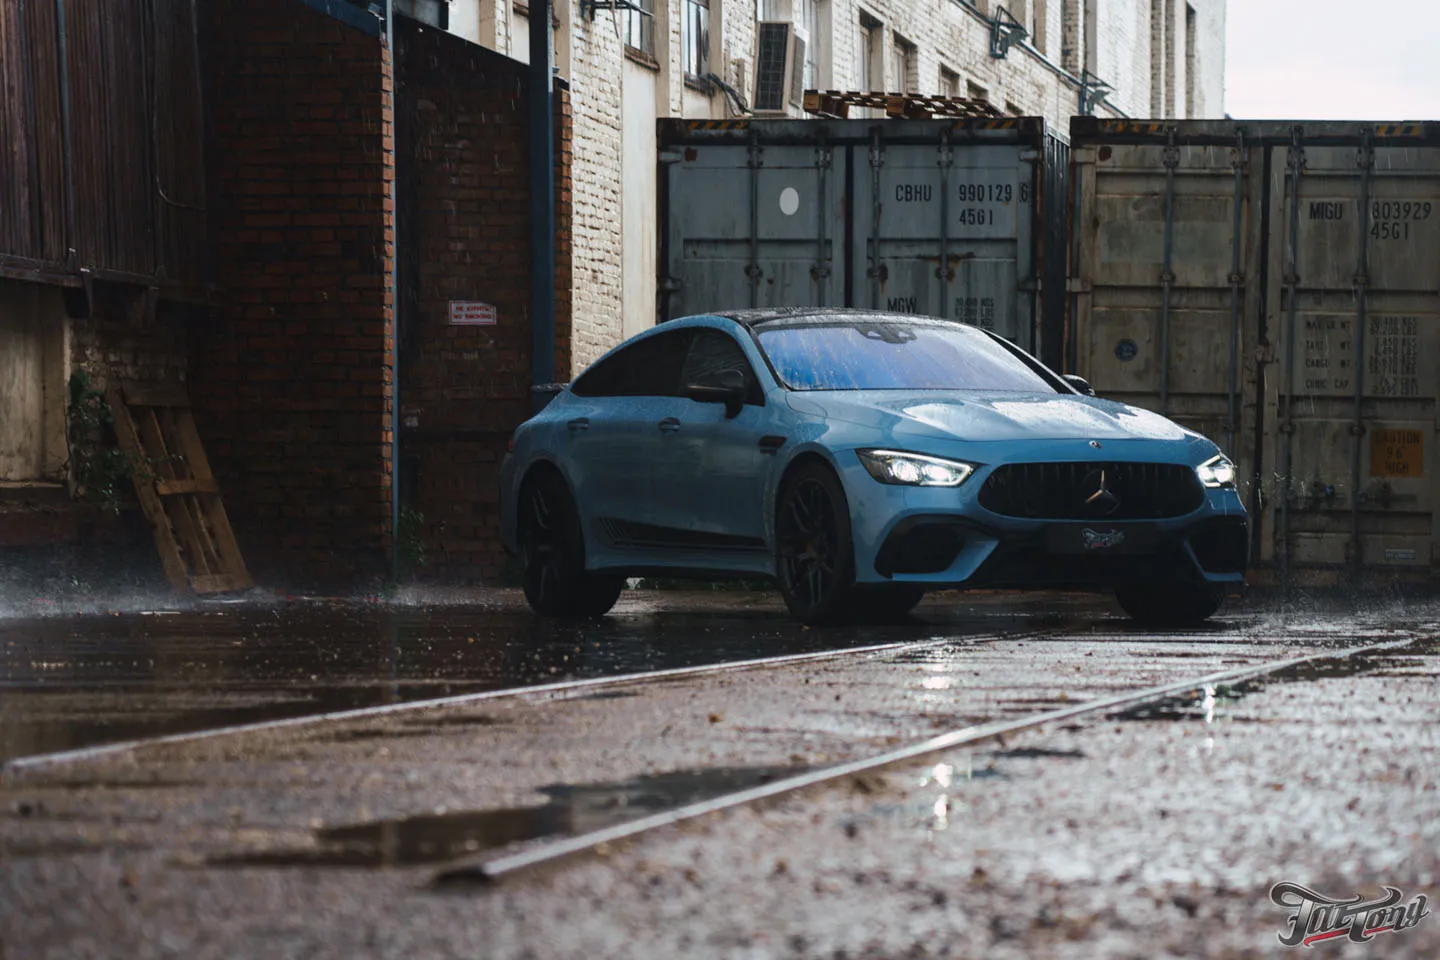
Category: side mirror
[1080,384]
[722,386]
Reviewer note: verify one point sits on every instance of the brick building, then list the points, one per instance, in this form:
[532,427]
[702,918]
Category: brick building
[1155,58]
[287,250]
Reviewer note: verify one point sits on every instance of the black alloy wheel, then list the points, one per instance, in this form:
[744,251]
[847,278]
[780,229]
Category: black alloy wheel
[553,548]
[814,555]
[1179,604]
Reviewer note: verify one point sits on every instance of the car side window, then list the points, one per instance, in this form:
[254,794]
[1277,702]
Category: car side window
[646,368]
[712,351]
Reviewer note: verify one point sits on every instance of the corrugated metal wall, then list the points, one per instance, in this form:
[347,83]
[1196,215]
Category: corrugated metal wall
[1273,285]
[101,141]
[864,214]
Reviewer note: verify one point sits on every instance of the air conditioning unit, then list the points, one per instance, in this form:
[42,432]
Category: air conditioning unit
[779,67]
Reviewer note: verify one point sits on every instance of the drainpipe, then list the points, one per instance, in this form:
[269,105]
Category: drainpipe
[542,204]
[67,137]
[394,310]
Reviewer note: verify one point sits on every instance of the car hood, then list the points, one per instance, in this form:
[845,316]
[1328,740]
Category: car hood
[961,415]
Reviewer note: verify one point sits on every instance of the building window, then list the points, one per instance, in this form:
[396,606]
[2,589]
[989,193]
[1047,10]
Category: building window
[949,82]
[1013,109]
[867,48]
[1192,68]
[902,66]
[695,37]
[810,31]
[1072,36]
[974,91]
[639,27]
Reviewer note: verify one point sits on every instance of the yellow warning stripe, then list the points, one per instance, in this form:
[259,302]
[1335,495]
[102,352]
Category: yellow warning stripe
[718,124]
[1398,129]
[977,123]
[1131,126]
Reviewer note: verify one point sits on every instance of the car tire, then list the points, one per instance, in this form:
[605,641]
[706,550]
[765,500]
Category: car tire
[814,554]
[1170,604]
[553,549]
[886,603]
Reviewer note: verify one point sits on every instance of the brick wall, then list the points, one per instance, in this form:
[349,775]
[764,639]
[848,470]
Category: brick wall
[130,336]
[463,118]
[596,61]
[954,35]
[292,376]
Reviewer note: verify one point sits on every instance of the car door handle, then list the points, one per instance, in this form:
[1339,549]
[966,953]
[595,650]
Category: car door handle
[579,424]
[669,424]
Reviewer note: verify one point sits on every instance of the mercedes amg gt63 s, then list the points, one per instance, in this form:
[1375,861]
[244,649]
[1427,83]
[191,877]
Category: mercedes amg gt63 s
[860,459]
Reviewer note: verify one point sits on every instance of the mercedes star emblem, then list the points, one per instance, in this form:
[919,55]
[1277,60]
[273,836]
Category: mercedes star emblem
[1102,502]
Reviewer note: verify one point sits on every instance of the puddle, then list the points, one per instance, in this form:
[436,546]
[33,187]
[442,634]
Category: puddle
[1196,706]
[79,681]
[570,809]
[1036,753]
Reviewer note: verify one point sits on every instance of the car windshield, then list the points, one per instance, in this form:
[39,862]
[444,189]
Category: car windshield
[895,356]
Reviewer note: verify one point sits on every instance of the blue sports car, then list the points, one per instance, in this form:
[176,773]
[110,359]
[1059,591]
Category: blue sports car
[860,459]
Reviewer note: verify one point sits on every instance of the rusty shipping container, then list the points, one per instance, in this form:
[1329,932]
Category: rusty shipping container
[862,213]
[1276,286]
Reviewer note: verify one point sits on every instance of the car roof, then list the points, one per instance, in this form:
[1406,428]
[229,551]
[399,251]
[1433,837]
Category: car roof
[795,316]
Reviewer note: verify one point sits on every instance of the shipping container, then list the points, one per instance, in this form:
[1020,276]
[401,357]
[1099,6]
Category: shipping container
[864,213]
[1276,286]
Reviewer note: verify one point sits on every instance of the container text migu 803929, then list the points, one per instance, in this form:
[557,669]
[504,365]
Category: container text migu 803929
[1276,286]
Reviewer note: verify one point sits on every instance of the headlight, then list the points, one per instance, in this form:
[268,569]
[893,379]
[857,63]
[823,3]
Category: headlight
[1218,471]
[913,469]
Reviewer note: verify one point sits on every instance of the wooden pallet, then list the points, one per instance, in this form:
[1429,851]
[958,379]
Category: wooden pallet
[178,492]
[910,106]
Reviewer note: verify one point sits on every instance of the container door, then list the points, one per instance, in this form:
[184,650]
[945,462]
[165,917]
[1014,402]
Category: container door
[945,230]
[754,226]
[1166,288]
[1355,240]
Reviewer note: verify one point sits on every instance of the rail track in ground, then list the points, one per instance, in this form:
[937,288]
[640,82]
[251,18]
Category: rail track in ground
[499,868]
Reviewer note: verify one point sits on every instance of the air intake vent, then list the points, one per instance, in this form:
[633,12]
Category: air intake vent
[779,67]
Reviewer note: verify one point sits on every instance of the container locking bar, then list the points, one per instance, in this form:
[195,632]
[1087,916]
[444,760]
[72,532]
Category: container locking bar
[1295,169]
[1365,160]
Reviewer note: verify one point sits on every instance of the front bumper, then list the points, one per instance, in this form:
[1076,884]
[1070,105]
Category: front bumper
[943,538]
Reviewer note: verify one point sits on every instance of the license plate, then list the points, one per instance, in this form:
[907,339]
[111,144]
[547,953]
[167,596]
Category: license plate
[1100,539]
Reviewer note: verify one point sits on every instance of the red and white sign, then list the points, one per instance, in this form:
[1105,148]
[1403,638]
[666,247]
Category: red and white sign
[464,312]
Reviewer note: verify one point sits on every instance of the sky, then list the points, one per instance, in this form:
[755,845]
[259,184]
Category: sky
[1333,59]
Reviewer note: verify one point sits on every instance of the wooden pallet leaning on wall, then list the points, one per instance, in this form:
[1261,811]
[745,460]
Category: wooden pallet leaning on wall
[178,492]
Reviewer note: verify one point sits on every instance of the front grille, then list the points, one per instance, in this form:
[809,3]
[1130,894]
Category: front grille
[1092,491]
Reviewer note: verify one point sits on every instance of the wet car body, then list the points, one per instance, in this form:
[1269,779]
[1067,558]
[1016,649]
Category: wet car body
[1063,489]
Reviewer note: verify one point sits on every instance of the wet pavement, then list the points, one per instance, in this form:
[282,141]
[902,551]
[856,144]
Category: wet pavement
[70,681]
[1147,832]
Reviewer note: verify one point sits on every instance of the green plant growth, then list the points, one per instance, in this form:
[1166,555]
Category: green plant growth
[98,467]
[410,541]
